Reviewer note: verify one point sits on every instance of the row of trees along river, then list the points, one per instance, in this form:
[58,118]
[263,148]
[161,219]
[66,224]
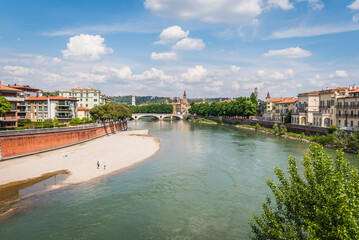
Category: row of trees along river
[242,107]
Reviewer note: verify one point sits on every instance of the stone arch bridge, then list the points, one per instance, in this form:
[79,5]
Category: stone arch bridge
[159,116]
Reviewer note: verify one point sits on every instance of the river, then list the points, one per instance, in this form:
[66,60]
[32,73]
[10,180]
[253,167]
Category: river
[205,182]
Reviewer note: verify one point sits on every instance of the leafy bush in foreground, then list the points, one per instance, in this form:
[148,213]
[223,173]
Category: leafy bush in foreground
[321,205]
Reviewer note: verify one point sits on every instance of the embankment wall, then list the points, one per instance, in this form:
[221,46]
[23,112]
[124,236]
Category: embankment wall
[18,143]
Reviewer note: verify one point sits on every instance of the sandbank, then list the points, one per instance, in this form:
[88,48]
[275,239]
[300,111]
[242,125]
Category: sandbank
[117,151]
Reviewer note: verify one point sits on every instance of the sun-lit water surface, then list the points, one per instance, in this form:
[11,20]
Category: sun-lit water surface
[205,182]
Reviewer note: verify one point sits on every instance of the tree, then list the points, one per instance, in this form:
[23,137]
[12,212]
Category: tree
[253,98]
[321,205]
[109,112]
[5,106]
[288,117]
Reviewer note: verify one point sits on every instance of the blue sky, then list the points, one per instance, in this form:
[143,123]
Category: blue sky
[210,48]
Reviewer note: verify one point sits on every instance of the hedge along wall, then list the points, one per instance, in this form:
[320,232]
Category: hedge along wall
[28,143]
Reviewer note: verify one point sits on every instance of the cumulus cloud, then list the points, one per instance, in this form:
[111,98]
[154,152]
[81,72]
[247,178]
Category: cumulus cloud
[316,4]
[195,74]
[354,5]
[316,81]
[190,44]
[172,34]
[225,11]
[235,69]
[296,52]
[283,4]
[164,56]
[339,74]
[265,74]
[85,47]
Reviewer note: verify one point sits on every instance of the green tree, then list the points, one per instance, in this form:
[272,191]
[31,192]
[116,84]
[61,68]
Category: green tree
[5,106]
[288,117]
[321,205]
[253,98]
[282,129]
[275,128]
[56,122]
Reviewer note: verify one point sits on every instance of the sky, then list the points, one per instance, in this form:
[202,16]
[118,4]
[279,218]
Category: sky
[210,48]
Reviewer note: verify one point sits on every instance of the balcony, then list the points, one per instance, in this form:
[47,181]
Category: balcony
[64,116]
[323,107]
[14,99]
[8,119]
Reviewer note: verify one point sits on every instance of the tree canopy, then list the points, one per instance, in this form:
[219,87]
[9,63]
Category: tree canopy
[153,108]
[240,107]
[5,106]
[321,205]
[109,112]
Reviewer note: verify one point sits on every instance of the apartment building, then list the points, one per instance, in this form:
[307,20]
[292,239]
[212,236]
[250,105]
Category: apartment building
[307,105]
[328,102]
[348,109]
[268,108]
[9,119]
[42,108]
[83,112]
[87,97]
[26,91]
[283,107]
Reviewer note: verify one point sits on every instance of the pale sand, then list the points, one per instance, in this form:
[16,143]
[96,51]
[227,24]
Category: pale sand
[118,151]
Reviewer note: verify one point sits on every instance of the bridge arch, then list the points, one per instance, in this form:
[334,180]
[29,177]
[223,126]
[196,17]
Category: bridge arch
[159,116]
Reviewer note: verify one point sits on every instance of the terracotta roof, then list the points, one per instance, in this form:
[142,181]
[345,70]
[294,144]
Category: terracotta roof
[23,87]
[355,90]
[83,109]
[311,93]
[286,100]
[6,88]
[55,98]
[274,99]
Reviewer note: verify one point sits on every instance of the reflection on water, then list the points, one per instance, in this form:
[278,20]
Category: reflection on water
[205,182]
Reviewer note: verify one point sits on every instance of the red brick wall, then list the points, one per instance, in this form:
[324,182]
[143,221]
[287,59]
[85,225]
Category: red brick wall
[19,145]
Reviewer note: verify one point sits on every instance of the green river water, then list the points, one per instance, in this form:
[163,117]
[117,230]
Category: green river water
[205,182]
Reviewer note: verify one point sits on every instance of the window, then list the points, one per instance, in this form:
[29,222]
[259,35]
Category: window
[352,113]
[95,94]
[40,115]
[340,113]
[45,115]
[45,103]
[40,108]
[95,100]
[351,123]
[45,109]
[340,123]
[87,105]
[29,108]
[87,99]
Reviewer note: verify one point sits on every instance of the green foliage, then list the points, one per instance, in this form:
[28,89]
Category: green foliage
[275,128]
[257,127]
[5,106]
[220,120]
[109,112]
[47,94]
[282,129]
[23,122]
[288,117]
[139,100]
[253,98]
[332,129]
[56,121]
[242,106]
[153,108]
[321,205]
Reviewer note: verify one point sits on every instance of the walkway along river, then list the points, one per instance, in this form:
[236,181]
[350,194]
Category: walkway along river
[204,183]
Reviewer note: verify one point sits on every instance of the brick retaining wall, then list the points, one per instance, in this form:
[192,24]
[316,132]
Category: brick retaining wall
[15,143]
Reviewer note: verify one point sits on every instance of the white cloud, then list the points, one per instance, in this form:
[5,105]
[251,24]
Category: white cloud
[235,85]
[190,44]
[195,74]
[312,31]
[215,11]
[235,69]
[86,48]
[283,4]
[296,52]
[19,70]
[265,74]
[172,34]
[252,85]
[121,73]
[354,5]
[164,56]
[316,4]
[339,74]
[217,83]
[355,18]
[316,81]
[212,89]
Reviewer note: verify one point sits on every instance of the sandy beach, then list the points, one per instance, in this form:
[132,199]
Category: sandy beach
[117,151]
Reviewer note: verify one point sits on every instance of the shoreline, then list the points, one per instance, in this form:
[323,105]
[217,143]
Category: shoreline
[118,151]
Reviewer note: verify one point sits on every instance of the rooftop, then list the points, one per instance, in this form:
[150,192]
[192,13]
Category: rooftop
[83,109]
[54,98]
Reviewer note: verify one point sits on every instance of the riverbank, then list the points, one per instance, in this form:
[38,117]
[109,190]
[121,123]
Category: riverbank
[117,151]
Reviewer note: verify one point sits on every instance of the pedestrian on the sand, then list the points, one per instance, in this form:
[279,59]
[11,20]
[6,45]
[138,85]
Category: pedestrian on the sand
[98,164]
[104,165]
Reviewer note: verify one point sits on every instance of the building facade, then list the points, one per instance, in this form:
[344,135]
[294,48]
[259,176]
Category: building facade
[347,114]
[9,119]
[87,97]
[283,107]
[181,106]
[307,105]
[83,112]
[42,108]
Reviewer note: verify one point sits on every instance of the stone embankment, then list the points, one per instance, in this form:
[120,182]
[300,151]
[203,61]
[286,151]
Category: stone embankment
[25,142]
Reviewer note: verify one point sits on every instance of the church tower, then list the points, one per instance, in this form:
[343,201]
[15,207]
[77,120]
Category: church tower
[256,92]
[184,99]
[268,96]
[133,100]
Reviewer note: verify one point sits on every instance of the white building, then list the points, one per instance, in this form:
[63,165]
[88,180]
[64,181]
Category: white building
[87,97]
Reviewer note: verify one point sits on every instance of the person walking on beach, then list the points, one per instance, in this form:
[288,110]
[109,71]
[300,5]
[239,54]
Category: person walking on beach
[98,164]
[104,165]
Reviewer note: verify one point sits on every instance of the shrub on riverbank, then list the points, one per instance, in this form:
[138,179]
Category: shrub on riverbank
[321,205]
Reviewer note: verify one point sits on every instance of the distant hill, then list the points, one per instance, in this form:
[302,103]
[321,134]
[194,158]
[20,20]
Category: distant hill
[208,100]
